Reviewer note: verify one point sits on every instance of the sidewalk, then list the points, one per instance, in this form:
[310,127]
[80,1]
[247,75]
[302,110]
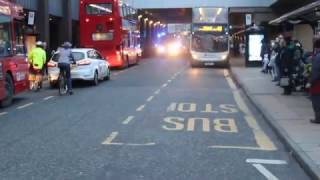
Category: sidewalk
[288,115]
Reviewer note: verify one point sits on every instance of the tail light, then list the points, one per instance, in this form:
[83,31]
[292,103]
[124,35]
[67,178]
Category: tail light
[52,64]
[84,62]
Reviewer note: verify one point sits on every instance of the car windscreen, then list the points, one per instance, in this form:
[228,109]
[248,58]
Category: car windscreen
[76,55]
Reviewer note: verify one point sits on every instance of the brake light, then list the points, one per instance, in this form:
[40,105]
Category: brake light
[83,62]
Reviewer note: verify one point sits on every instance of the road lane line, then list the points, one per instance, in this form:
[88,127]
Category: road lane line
[238,147]
[263,141]
[25,106]
[157,91]
[141,108]
[165,85]
[3,113]
[266,161]
[266,173]
[147,144]
[150,98]
[128,120]
[109,139]
[47,98]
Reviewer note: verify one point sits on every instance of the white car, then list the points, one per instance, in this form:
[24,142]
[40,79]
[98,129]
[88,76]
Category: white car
[90,66]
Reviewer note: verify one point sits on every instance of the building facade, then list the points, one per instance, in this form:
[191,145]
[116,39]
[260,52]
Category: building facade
[51,21]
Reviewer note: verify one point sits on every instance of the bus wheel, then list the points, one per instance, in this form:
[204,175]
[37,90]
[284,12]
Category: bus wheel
[9,88]
[137,59]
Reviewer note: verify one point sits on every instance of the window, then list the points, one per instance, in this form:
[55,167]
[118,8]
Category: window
[5,39]
[99,9]
[92,54]
[76,55]
[98,56]
[20,46]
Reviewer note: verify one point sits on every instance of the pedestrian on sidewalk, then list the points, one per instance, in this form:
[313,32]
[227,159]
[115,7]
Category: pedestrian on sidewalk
[265,55]
[275,49]
[286,65]
[315,81]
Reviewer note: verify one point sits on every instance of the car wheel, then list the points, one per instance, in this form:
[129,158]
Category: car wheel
[125,62]
[95,80]
[9,88]
[137,59]
[107,78]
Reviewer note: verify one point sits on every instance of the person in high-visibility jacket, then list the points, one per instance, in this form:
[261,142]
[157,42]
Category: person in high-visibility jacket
[37,59]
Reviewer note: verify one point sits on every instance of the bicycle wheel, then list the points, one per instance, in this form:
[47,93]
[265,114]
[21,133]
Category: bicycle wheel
[62,85]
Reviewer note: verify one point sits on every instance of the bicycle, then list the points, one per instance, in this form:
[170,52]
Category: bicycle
[62,81]
[35,79]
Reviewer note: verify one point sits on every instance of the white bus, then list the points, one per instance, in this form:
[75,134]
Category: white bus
[209,37]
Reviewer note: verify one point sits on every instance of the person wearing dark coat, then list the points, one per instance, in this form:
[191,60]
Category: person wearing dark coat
[315,82]
[286,64]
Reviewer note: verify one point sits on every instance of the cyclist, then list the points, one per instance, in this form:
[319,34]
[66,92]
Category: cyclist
[37,59]
[64,61]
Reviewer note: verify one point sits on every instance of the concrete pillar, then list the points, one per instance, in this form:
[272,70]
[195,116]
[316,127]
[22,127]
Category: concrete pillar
[42,21]
[67,21]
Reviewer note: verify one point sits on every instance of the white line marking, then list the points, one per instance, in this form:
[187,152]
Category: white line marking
[141,107]
[3,113]
[147,144]
[265,172]
[238,147]
[24,106]
[109,139]
[165,85]
[157,92]
[47,98]
[150,98]
[266,161]
[169,81]
[128,120]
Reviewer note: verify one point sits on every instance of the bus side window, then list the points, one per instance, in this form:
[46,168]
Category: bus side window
[5,36]
[20,48]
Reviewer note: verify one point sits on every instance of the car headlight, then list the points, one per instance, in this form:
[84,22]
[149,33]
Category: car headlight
[161,49]
[224,57]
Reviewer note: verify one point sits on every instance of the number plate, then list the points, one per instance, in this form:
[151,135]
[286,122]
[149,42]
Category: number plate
[208,64]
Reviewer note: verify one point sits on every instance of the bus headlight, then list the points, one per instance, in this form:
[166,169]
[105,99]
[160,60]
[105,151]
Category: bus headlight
[224,57]
[161,49]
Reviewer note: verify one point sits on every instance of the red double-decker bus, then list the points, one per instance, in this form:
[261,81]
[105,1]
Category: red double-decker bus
[111,27]
[13,62]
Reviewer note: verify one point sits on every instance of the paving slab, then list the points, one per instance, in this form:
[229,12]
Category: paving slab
[288,115]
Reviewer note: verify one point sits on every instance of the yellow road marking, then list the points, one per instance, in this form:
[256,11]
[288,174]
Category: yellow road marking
[141,107]
[109,139]
[262,140]
[128,120]
[150,98]
[165,85]
[157,91]
[24,106]
[3,113]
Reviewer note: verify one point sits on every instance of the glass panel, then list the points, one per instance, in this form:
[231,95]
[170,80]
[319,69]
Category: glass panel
[210,15]
[20,46]
[76,55]
[99,9]
[207,42]
[102,36]
[5,39]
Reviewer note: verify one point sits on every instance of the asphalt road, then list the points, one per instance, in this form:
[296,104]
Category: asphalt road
[160,120]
